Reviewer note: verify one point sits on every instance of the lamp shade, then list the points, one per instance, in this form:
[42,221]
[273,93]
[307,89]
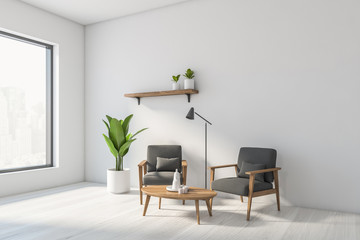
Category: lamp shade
[190,114]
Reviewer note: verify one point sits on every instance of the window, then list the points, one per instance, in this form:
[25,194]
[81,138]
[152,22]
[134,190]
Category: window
[26,80]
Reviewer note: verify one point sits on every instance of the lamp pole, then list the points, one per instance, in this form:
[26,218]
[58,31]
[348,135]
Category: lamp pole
[205,155]
[190,116]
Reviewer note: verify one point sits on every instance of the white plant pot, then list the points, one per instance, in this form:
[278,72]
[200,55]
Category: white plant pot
[189,84]
[176,86]
[118,181]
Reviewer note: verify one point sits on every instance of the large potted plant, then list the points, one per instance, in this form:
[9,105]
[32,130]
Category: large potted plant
[119,140]
[189,82]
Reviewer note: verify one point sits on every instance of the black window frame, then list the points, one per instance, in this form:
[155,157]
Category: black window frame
[49,101]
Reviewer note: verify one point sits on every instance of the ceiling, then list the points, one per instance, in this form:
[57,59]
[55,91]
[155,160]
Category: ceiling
[92,11]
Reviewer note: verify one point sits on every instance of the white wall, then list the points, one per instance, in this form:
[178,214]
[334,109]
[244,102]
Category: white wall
[281,74]
[22,18]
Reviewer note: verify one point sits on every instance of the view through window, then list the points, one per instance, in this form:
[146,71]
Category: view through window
[25,103]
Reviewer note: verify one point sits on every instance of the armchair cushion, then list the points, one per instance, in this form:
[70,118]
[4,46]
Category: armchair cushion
[246,167]
[159,178]
[255,155]
[239,186]
[164,151]
[167,164]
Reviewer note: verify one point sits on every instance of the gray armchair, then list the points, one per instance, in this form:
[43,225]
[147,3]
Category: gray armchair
[255,172]
[154,172]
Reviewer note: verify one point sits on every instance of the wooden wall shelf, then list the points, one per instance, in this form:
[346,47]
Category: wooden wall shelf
[187,92]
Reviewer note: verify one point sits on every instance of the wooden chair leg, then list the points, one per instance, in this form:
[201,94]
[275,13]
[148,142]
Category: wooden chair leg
[251,190]
[159,202]
[276,180]
[212,178]
[141,197]
[241,199]
[183,202]
[249,208]
[140,185]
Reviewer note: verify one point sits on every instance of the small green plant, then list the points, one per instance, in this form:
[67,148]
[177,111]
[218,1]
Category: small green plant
[118,139]
[176,78]
[189,74]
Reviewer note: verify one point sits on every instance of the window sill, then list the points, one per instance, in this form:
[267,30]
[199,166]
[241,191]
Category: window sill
[29,170]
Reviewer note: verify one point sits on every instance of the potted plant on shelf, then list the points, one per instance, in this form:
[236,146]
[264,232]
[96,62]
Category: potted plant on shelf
[119,140]
[189,82]
[176,84]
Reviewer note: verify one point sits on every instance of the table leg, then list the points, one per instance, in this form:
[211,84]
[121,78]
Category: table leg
[208,206]
[197,211]
[146,204]
[159,202]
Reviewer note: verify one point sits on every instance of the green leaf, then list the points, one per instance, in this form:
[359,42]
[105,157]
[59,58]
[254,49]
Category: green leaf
[176,78]
[126,123]
[126,151]
[125,147]
[116,133]
[189,74]
[111,146]
[128,136]
[138,132]
[108,127]
[108,118]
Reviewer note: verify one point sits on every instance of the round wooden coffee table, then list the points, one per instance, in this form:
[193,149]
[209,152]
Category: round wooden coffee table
[193,194]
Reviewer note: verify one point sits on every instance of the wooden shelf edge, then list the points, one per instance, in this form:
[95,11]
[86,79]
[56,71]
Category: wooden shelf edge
[161,93]
[186,92]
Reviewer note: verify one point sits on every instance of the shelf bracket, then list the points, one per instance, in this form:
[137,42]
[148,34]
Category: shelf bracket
[138,100]
[188,95]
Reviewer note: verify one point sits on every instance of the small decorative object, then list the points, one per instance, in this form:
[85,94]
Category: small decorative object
[176,84]
[183,189]
[119,141]
[170,189]
[176,181]
[189,82]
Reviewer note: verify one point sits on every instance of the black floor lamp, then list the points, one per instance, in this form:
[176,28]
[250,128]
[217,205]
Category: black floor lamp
[190,116]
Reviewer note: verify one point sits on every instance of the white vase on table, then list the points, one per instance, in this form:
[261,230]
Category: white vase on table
[176,181]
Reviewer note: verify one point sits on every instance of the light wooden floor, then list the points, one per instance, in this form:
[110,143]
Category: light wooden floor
[87,211]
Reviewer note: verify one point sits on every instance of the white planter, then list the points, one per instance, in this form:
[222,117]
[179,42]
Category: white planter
[189,84]
[176,86]
[118,181]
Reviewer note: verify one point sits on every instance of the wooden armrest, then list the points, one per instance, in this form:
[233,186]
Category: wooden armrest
[184,163]
[263,171]
[223,166]
[142,163]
